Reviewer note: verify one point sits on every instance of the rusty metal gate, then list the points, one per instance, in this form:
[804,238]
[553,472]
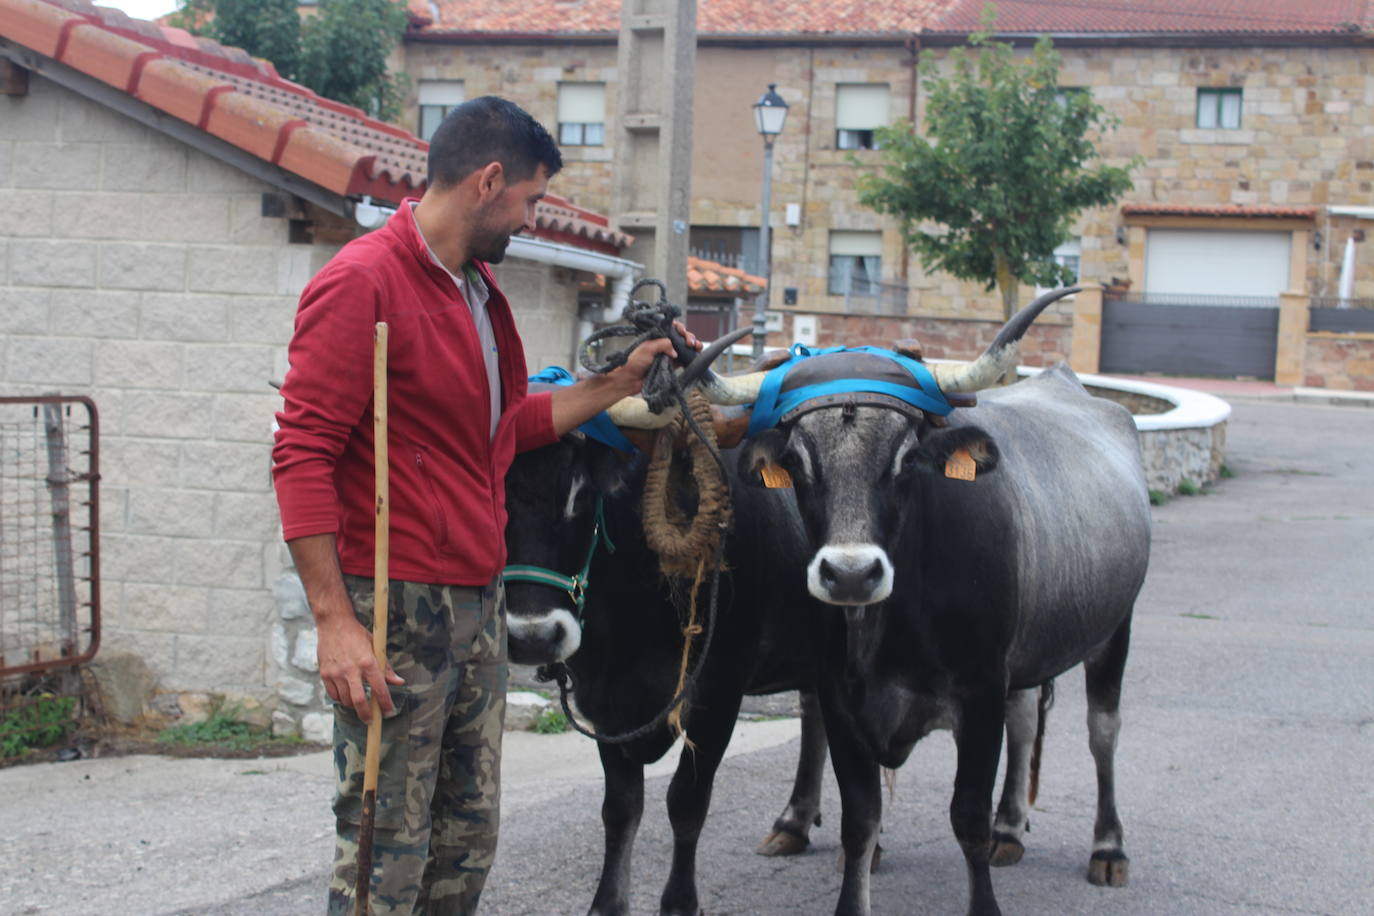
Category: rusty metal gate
[49,545]
[1190,335]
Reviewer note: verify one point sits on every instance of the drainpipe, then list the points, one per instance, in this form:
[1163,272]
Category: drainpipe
[621,272]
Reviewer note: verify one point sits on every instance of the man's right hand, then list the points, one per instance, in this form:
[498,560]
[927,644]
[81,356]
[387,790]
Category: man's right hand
[347,664]
[345,645]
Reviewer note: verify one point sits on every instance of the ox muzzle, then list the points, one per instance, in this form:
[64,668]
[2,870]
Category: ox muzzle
[850,574]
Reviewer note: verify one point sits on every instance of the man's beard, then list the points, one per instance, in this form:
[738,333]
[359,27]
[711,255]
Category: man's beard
[491,249]
[489,244]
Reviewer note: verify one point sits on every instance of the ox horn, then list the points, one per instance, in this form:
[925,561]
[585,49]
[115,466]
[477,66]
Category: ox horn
[634,413]
[1001,354]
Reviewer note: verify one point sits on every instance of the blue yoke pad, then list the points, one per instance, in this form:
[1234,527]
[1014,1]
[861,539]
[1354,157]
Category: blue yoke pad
[773,401]
[599,427]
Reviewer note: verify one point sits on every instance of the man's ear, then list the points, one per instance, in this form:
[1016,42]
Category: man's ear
[939,444]
[764,449]
[491,180]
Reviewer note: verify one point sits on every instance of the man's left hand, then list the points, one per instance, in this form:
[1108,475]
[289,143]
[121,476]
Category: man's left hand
[629,378]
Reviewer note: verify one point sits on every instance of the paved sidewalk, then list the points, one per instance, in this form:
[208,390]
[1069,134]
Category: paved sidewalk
[1255,389]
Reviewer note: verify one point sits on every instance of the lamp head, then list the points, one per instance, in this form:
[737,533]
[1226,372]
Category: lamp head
[770,112]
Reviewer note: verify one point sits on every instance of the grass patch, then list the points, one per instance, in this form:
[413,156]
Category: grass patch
[1188,487]
[222,730]
[42,722]
[551,722]
[1159,498]
[1196,616]
[1225,472]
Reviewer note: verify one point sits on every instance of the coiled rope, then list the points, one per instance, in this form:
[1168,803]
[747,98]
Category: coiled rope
[685,545]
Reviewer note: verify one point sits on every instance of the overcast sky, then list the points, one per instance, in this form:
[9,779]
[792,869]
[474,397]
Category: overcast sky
[142,9]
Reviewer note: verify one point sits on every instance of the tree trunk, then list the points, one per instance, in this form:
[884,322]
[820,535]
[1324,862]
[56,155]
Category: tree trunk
[1009,286]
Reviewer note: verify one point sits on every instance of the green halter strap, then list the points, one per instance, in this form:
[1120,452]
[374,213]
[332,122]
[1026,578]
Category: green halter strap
[575,586]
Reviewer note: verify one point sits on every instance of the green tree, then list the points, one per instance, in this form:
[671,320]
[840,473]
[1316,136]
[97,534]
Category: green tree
[1008,165]
[264,28]
[344,51]
[341,52]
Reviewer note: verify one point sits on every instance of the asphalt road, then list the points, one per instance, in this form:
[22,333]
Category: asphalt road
[1244,768]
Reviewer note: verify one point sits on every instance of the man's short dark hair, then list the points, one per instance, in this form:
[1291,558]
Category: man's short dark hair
[490,129]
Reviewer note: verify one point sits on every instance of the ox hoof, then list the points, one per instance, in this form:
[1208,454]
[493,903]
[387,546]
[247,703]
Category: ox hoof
[1006,850]
[783,842]
[1109,868]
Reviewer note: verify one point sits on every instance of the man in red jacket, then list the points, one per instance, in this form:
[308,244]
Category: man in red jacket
[458,412]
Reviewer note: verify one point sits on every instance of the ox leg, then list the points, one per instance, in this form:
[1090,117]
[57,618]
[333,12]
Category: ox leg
[620,813]
[861,810]
[689,796]
[1013,812]
[979,742]
[1108,866]
[792,830]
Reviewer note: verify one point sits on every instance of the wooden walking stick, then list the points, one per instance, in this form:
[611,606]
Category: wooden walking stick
[381,603]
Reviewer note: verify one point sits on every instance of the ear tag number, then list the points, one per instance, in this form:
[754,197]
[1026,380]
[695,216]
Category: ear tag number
[961,465]
[775,477]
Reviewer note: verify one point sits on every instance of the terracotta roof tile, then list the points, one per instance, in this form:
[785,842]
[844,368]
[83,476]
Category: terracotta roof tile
[707,277]
[243,101]
[886,17]
[1290,17]
[714,17]
[1219,210]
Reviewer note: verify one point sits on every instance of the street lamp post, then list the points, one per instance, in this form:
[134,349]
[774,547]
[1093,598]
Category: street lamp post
[770,112]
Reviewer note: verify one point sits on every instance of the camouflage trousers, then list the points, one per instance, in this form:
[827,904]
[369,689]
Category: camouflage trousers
[439,788]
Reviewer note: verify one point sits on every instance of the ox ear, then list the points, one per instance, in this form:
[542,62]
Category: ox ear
[940,444]
[764,449]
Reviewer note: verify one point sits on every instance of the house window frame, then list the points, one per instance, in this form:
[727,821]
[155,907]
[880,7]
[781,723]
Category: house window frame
[436,110]
[842,282]
[581,132]
[1214,98]
[864,134]
[1070,250]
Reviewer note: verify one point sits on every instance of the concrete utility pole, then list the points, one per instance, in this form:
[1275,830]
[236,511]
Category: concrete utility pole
[652,193]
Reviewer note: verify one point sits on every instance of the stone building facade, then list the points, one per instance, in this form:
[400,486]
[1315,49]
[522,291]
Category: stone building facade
[1301,147]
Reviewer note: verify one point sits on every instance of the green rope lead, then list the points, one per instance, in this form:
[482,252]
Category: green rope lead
[575,586]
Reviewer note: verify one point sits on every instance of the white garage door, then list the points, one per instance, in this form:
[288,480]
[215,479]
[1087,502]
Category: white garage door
[1211,263]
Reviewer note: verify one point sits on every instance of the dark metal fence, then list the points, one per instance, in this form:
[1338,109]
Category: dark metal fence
[870,298]
[1336,302]
[49,552]
[1342,316]
[1188,299]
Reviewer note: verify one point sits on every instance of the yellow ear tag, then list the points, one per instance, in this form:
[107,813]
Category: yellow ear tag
[961,466]
[775,477]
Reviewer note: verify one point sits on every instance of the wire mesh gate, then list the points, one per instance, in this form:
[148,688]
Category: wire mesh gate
[49,553]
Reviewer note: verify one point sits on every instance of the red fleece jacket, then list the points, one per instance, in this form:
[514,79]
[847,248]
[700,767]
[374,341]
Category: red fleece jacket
[447,477]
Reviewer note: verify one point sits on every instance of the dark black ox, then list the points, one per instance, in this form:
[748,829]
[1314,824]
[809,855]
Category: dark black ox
[625,651]
[960,598]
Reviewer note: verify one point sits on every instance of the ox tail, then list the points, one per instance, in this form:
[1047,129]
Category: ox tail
[1046,702]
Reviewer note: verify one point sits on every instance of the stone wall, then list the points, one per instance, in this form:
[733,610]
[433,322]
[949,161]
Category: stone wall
[139,271]
[528,74]
[1045,344]
[1339,361]
[1172,456]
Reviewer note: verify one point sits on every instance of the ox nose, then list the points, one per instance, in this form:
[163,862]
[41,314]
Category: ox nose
[852,574]
[542,639]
